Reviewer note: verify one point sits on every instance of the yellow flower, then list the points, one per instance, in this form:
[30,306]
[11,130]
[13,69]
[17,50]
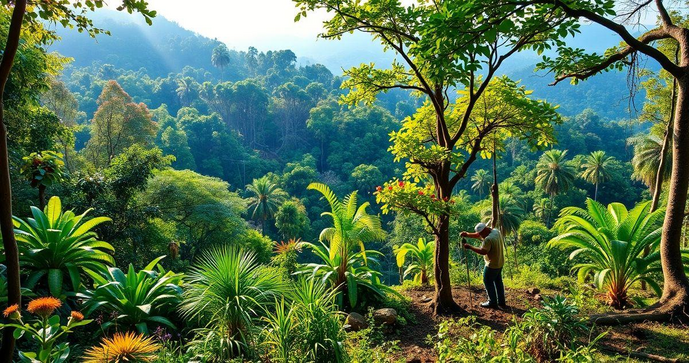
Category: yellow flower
[12,312]
[44,306]
[77,316]
[123,348]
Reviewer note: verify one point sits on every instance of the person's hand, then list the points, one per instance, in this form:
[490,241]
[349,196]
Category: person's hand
[464,234]
[466,246]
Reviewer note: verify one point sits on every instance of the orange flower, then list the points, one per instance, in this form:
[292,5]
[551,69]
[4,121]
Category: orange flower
[11,311]
[77,316]
[44,306]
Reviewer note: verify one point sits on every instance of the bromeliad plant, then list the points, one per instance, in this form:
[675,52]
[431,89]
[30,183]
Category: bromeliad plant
[345,260]
[55,245]
[422,255]
[44,331]
[137,299]
[611,241]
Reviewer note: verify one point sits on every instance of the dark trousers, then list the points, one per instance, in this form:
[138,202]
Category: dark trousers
[492,280]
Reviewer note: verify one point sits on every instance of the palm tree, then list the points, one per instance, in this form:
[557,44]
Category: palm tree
[646,160]
[422,254]
[185,89]
[481,181]
[265,200]
[596,169]
[220,58]
[540,209]
[612,240]
[554,175]
[343,251]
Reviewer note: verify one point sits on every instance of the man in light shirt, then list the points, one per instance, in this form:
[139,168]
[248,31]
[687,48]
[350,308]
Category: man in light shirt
[493,254]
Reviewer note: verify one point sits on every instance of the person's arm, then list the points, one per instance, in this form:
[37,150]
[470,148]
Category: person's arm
[470,235]
[480,251]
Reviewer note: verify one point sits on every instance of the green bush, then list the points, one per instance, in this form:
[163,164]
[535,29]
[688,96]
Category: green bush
[228,292]
[309,329]
[534,233]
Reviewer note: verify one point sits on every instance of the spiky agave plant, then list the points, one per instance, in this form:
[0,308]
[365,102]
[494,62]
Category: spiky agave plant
[422,255]
[128,347]
[611,241]
[228,291]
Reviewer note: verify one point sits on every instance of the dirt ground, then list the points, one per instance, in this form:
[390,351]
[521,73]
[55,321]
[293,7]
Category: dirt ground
[652,338]
[412,338]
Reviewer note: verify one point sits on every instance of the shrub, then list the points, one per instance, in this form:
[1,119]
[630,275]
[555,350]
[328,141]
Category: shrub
[532,232]
[309,329]
[553,328]
[230,291]
[136,299]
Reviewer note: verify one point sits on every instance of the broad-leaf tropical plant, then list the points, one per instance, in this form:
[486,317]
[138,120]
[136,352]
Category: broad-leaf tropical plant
[422,255]
[137,299]
[610,243]
[56,245]
[345,260]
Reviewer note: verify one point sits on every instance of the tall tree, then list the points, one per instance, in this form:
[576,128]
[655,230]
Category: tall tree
[67,14]
[596,169]
[438,54]
[555,175]
[221,59]
[118,124]
[577,64]
[266,197]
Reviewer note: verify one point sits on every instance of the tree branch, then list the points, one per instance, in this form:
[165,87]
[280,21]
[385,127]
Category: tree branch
[633,42]
[650,36]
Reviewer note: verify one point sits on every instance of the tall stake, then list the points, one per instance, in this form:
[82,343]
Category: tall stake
[466,259]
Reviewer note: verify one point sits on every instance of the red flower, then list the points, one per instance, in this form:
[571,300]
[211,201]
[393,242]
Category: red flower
[445,199]
[420,192]
[379,188]
[390,188]
[401,184]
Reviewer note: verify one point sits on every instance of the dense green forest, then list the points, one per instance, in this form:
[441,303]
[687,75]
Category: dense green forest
[217,182]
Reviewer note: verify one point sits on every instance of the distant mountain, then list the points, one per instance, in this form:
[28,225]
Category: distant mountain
[161,49]
[167,48]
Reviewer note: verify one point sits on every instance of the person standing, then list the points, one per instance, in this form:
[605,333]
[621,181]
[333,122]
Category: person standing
[493,253]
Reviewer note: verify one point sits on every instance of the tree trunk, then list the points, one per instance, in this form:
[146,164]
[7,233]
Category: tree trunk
[675,299]
[41,196]
[658,185]
[595,193]
[10,243]
[443,302]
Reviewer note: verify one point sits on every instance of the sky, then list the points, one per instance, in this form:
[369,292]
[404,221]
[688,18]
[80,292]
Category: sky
[243,23]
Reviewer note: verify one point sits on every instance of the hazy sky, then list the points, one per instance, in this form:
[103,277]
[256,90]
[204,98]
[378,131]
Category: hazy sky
[241,23]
